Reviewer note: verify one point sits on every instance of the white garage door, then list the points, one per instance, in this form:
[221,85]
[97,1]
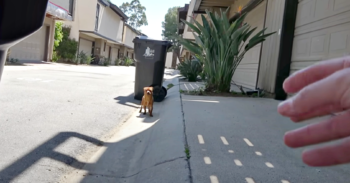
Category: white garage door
[31,48]
[322,32]
[85,46]
[246,73]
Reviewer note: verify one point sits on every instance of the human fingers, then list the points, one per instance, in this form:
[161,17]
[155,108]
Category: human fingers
[333,90]
[334,128]
[318,112]
[314,73]
[328,155]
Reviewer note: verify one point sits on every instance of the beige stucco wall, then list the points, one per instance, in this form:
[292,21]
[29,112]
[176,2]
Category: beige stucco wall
[84,17]
[110,23]
[129,37]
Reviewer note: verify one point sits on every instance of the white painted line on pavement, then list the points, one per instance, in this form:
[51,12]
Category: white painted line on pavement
[197,85]
[207,101]
[269,165]
[191,86]
[200,139]
[258,153]
[248,142]
[238,163]
[214,179]
[224,140]
[207,160]
[285,181]
[230,151]
[186,87]
[249,180]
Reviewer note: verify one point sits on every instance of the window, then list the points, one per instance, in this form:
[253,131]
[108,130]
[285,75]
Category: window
[97,16]
[104,49]
[132,56]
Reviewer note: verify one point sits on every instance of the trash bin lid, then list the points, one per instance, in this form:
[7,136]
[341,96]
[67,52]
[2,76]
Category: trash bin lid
[145,38]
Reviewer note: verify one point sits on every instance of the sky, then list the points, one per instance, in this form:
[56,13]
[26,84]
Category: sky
[155,12]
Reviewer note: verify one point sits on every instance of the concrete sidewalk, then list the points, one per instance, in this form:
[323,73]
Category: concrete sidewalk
[145,149]
[241,140]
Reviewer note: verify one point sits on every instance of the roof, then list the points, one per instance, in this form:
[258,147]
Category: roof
[98,35]
[53,10]
[115,8]
[134,30]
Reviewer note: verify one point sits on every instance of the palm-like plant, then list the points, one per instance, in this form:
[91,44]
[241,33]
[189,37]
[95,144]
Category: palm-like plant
[190,69]
[221,46]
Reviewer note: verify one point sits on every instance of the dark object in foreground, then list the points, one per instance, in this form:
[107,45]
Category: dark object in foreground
[150,56]
[18,20]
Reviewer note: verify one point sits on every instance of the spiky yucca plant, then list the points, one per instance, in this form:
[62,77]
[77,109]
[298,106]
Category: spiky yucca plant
[220,46]
[190,69]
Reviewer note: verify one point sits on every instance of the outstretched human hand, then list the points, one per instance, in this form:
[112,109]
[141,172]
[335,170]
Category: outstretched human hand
[321,89]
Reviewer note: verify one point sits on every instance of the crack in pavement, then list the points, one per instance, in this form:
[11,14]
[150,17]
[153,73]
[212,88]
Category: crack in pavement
[129,176]
[157,164]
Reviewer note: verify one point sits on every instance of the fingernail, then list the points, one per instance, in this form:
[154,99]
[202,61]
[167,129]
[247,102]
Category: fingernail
[311,158]
[284,108]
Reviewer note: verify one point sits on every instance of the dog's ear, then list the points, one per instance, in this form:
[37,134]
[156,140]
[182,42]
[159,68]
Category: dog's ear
[151,88]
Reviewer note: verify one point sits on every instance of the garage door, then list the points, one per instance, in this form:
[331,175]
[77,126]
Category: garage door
[31,48]
[246,73]
[85,46]
[322,32]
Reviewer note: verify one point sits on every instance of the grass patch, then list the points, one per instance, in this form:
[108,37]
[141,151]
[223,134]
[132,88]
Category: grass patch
[188,152]
[203,92]
[170,86]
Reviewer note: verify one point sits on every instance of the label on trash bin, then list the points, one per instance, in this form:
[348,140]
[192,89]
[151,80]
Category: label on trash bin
[149,53]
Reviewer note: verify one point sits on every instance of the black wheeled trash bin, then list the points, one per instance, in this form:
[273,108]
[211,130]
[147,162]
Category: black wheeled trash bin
[150,56]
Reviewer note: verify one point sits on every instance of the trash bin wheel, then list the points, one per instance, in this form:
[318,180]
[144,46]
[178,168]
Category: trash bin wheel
[159,93]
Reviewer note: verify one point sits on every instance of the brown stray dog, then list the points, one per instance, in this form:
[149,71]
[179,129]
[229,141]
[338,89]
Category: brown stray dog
[147,100]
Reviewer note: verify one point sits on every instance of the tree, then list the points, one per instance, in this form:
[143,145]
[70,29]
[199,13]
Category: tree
[58,34]
[169,26]
[169,31]
[136,13]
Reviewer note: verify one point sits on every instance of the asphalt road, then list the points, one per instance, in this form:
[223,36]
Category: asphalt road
[237,140]
[52,115]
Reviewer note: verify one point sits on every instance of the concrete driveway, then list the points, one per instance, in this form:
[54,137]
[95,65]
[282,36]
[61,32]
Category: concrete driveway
[52,115]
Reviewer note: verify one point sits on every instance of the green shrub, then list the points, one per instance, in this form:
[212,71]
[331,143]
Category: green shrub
[55,57]
[220,46]
[68,48]
[118,61]
[107,62]
[89,59]
[58,34]
[82,58]
[190,69]
[128,61]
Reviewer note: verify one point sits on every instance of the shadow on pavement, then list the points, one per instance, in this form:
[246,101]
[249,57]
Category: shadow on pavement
[46,150]
[147,149]
[128,101]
